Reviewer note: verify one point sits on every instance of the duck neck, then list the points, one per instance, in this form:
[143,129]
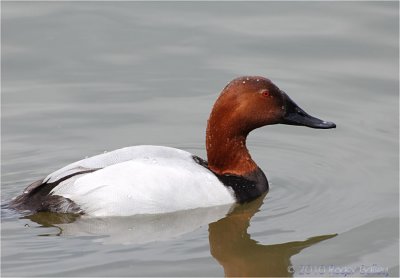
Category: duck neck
[226,150]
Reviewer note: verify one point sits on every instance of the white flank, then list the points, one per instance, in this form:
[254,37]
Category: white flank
[141,180]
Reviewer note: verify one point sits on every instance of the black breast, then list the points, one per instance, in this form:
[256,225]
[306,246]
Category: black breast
[246,188]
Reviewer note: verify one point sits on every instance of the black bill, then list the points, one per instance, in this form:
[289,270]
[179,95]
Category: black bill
[294,115]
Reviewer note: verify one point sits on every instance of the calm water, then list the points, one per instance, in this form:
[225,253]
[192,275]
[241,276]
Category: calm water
[81,78]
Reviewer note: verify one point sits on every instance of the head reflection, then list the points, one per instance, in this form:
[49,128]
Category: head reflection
[232,246]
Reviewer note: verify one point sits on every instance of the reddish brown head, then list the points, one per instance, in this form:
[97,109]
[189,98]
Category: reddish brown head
[247,103]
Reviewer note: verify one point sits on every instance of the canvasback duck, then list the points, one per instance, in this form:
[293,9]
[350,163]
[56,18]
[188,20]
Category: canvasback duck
[156,179]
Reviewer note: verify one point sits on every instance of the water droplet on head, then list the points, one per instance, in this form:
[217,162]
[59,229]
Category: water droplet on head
[247,79]
[324,122]
[244,82]
[283,107]
[258,80]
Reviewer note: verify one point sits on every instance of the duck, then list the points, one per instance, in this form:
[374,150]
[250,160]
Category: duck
[147,179]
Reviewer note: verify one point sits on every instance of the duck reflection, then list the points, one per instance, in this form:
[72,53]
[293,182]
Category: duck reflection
[137,229]
[232,246]
[230,243]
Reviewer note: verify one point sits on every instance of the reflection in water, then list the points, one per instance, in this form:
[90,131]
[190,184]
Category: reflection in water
[136,229]
[230,243]
[240,255]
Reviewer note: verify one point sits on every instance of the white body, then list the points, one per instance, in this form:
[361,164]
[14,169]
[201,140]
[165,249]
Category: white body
[140,180]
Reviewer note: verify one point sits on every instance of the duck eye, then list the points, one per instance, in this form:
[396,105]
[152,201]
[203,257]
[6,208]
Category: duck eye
[265,93]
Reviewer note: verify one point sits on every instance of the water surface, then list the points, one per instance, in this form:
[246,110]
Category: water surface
[81,78]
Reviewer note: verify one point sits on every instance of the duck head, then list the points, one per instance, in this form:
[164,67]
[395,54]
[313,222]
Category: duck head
[245,104]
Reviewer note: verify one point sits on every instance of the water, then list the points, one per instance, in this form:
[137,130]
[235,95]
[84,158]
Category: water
[81,78]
